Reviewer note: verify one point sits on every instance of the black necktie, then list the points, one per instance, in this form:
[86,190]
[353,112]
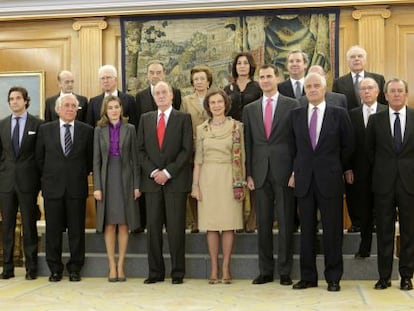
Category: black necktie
[68,139]
[397,132]
[16,136]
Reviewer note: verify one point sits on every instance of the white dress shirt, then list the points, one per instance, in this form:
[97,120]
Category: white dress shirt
[321,111]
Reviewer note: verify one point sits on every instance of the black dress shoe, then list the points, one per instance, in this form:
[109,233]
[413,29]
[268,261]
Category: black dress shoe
[285,280]
[31,275]
[74,277]
[302,284]
[177,281]
[55,277]
[333,287]
[406,284]
[153,280]
[262,279]
[361,255]
[138,230]
[354,229]
[5,275]
[383,284]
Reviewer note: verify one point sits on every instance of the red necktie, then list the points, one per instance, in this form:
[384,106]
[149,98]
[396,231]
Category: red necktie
[161,129]
[268,118]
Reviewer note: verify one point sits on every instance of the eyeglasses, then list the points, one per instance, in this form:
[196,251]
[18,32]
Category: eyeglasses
[69,106]
[106,78]
[367,88]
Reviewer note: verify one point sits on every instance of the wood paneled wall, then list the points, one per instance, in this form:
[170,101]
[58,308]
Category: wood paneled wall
[56,44]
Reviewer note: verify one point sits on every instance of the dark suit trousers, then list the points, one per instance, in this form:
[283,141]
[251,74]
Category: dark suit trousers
[170,207]
[59,213]
[385,216]
[273,200]
[331,211]
[28,209]
[353,204]
[361,198]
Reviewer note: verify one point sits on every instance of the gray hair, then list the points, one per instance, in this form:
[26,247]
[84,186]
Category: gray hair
[109,68]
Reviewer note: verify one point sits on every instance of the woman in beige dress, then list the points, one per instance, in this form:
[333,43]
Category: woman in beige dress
[201,79]
[218,180]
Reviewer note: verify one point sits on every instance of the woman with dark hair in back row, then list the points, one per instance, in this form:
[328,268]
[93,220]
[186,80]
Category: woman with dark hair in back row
[242,91]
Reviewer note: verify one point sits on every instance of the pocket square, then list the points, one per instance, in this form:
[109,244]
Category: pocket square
[31,133]
[79,107]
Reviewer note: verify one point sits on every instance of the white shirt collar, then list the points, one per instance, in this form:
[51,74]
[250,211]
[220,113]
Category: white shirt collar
[61,122]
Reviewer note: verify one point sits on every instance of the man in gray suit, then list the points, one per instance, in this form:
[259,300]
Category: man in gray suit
[268,167]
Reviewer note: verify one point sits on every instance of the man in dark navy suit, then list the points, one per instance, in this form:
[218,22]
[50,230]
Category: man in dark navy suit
[19,181]
[322,143]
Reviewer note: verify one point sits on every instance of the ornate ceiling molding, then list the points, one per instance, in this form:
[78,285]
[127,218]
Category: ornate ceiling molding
[42,9]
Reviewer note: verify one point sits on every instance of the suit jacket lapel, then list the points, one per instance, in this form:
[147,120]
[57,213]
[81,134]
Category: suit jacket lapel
[170,124]
[259,117]
[326,120]
[122,136]
[409,126]
[303,120]
[7,128]
[105,136]
[27,127]
[56,136]
[279,111]
[150,98]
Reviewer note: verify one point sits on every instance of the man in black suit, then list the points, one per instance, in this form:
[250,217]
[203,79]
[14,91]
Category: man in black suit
[359,182]
[65,81]
[337,99]
[144,103]
[108,77]
[357,58]
[322,143]
[19,181]
[144,99]
[297,62]
[165,146]
[390,145]
[64,154]
[268,167]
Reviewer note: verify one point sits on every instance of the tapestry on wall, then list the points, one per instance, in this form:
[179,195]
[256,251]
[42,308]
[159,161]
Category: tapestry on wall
[181,42]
